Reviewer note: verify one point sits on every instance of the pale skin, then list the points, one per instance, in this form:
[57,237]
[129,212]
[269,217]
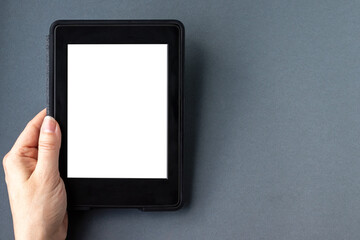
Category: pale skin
[36,191]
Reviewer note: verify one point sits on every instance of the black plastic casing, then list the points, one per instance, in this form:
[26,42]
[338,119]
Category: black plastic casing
[144,194]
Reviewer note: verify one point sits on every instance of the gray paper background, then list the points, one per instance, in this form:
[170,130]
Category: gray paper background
[272,116]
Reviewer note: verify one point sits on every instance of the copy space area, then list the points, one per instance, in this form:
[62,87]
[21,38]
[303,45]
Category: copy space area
[117,111]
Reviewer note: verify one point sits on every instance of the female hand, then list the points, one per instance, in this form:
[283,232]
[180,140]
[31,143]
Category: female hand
[36,192]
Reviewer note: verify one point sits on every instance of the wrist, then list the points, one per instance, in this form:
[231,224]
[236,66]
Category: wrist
[37,233]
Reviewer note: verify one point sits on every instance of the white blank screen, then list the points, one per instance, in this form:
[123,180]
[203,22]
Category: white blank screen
[117,111]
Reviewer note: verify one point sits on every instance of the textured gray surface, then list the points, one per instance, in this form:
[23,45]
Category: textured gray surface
[272,115]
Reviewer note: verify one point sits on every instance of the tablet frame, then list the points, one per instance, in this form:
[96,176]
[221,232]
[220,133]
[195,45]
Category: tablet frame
[145,194]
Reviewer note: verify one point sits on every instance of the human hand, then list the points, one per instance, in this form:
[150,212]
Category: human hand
[36,191]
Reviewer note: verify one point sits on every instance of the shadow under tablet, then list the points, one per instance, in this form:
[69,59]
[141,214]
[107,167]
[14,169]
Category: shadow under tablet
[193,92]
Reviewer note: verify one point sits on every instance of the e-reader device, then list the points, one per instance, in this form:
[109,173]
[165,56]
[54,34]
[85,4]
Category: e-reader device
[116,90]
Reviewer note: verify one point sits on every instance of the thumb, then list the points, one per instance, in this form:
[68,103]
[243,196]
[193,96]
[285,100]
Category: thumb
[49,146]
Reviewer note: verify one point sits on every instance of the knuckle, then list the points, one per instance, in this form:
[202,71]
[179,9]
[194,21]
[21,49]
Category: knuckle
[5,160]
[6,166]
[47,146]
[24,151]
[6,180]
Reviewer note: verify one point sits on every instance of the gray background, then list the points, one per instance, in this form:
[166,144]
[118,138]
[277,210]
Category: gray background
[272,115]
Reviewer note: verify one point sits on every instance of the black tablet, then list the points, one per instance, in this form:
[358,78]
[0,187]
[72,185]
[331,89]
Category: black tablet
[116,89]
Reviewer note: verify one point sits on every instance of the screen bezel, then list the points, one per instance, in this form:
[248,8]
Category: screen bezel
[120,192]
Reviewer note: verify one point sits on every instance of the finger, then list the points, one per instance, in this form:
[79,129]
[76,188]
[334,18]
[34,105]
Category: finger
[49,146]
[30,135]
[21,160]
